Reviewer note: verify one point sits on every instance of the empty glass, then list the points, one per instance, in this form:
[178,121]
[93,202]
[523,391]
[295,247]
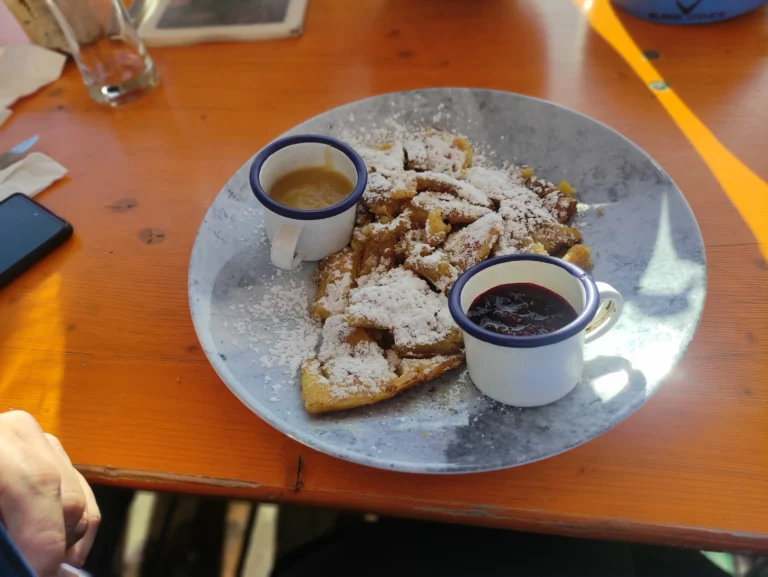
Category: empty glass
[112,59]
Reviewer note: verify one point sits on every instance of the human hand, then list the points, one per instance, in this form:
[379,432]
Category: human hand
[46,506]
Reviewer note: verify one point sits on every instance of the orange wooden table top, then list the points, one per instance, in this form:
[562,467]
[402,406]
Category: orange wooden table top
[97,341]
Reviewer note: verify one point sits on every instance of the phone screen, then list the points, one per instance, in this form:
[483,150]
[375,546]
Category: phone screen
[27,232]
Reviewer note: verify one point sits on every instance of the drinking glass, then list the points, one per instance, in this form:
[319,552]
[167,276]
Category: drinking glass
[113,61]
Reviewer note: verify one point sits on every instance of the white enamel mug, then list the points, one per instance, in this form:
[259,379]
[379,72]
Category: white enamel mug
[530,371]
[306,235]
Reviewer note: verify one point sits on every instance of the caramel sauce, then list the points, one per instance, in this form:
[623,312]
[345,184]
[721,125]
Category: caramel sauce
[311,188]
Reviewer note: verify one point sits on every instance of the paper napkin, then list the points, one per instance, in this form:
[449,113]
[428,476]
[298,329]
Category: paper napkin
[25,69]
[30,175]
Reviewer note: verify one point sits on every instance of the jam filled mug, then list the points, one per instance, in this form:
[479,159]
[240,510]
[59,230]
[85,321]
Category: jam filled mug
[530,371]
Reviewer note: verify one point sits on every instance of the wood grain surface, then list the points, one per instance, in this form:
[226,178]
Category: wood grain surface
[97,341]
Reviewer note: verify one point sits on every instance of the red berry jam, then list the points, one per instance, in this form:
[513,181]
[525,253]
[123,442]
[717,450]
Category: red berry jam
[521,310]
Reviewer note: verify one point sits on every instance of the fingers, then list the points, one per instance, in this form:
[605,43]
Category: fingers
[30,494]
[73,498]
[47,506]
[77,554]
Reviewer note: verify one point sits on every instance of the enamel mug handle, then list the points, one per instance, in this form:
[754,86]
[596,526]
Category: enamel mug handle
[608,312]
[283,253]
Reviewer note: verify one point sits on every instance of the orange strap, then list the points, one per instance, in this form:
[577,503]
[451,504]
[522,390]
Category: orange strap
[747,191]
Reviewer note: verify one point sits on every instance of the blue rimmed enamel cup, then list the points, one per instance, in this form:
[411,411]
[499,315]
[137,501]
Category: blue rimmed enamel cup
[306,235]
[530,371]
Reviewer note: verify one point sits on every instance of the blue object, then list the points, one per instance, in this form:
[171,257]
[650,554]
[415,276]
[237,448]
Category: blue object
[591,302]
[11,563]
[687,11]
[276,207]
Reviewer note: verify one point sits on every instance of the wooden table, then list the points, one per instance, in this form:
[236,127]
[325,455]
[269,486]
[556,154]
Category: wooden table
[97,342]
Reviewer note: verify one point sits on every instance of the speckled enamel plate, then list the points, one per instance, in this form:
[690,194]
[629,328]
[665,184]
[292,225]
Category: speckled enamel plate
[645,242]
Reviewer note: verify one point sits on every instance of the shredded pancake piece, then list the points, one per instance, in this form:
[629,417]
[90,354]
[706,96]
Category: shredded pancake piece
[382,230]
[387,157]
[452,209]
[436,182]
[473,243]
[403,303]
[436,231]
[335,277]
[580,256]
[498,185]
[438,151]
[386,190]
[433,265]
[351,370]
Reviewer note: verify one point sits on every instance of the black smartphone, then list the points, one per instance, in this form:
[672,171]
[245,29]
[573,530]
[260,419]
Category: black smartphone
[28,232]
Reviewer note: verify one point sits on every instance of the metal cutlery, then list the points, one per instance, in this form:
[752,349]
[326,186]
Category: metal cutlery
[15,153]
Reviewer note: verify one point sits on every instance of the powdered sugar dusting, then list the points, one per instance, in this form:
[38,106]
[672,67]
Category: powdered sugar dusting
[472,244]
[540,186]
[378,188]
[499,185]
[451,208]
[433,181]
[522,213]
[435,266]
[557,203]
[277,327]
[352,369]
[405,304]
[336,295]
[386,184]
[384,231]
[391,158]
[435,150]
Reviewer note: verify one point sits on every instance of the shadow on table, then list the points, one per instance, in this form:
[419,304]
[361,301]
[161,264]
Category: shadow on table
[609,385]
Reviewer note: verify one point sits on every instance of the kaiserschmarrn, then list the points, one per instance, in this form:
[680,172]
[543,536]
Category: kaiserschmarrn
[429,213]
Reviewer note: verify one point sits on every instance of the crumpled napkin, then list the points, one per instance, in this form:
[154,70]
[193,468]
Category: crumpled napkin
[30,175]
[25,69]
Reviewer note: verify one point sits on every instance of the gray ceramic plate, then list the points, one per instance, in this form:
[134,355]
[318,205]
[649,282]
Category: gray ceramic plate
[252,322]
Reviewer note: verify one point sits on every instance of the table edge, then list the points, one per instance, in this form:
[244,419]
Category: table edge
[484,515]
